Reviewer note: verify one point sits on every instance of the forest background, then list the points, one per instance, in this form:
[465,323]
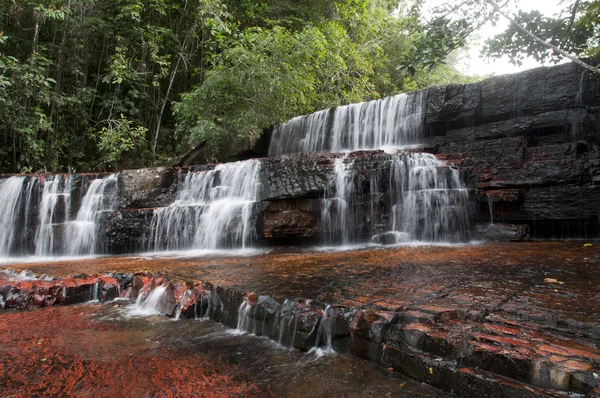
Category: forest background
[98,85]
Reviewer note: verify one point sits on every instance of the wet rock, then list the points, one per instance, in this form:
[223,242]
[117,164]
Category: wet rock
[391,238]
[502,232]
[148,188]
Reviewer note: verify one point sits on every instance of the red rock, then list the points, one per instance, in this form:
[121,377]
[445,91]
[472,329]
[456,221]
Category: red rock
[577,365]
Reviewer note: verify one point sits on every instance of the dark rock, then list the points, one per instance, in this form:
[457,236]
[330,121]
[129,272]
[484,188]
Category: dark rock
[502,232]
[391,238]
[148,188]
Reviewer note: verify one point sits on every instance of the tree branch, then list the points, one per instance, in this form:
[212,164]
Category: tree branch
[542,42]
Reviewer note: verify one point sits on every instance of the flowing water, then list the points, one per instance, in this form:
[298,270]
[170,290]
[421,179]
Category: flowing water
[387,123]
[54,209]
[429,201]
[81,233]
[213,210]
[336,214]
[36,215]
[16,195]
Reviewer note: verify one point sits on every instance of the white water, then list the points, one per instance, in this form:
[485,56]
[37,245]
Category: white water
[39,224]
[81,233]
[54,209]
[387,123]
[245,323]
[213,210]
[15,198]
[429,201]
[149,305]
[324,340]
[336,218]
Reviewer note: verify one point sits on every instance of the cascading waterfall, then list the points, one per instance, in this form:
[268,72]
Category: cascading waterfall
[16,197]
[35,215]
[81,233]
[213,210]
[429,202]
[54,208]
[336,212]
[427,199]
[387,123]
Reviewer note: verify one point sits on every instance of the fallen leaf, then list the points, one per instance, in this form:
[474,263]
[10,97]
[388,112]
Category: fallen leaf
[44,359]
[430,371]
[550,280]
[587,245]
[40,341]
[402,384]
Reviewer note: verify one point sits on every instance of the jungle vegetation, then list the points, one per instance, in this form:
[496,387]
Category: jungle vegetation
[95,85]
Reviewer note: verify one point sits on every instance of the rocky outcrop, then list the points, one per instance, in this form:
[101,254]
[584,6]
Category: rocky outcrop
[528,145]
[147,188]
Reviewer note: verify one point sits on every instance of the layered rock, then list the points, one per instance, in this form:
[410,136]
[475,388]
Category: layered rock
[526,144]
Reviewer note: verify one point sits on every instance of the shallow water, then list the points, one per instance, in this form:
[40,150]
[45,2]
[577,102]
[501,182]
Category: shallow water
[272,368]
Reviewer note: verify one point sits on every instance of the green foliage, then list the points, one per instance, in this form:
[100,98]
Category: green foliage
[119,137]
[575,31]
[123,83]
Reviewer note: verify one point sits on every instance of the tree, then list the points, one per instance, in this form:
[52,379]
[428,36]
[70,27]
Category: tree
[550,39]
[572,35]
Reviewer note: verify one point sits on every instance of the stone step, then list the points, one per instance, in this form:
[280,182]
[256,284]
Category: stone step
[435,344]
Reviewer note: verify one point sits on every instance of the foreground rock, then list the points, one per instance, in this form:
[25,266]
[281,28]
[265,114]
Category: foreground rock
[491,320]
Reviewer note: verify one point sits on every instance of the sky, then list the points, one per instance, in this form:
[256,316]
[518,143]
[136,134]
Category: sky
[473,64]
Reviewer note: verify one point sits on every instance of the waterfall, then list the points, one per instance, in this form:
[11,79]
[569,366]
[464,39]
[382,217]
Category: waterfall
[246,323]
[387,123]
[54,209]
[429,202]
[425,200]
[213,209]
[149,304]
[40,223]
[16,197]
[336,214]
[81,233]
[324,336]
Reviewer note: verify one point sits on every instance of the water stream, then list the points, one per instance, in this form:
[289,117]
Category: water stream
[213,210]
[387,123]
[81,233]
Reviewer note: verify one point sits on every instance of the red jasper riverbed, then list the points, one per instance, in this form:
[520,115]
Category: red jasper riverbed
[534,303]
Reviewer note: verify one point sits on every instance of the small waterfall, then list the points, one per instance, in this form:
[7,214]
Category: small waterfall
[185,296]
[151,304]
[387,123]
[302,134]
[324,340]
[245,322]
[429,200]
[16,196]
[213,209]
[336,215]
[54,209]
[81,234]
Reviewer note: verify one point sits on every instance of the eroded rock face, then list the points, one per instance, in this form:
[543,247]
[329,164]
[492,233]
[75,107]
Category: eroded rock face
[148,188]
[527,144]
